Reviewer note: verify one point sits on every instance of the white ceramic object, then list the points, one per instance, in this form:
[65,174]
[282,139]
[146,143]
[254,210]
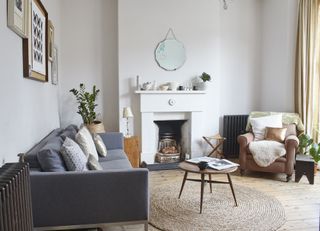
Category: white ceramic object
[173,85]
[164,87]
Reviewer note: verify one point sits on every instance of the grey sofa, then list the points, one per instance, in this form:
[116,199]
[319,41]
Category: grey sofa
[93,199]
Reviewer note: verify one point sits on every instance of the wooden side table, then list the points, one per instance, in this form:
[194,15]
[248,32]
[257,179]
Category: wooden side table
[132,149]
[304,166]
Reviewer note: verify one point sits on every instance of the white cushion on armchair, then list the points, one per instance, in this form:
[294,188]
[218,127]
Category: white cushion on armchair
[259,125]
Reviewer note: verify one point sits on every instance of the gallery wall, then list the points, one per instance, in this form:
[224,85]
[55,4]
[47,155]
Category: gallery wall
[89,56]
[29,109]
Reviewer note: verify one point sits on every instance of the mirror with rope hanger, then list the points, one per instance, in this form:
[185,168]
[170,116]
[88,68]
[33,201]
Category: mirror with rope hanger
[170,53]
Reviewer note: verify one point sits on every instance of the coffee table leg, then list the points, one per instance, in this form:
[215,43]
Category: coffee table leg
[231,186]
[202,187]
[210,183]
[183,182]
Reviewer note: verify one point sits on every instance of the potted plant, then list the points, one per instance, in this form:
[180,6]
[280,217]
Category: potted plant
[202,85]
[86,108]
[307,146]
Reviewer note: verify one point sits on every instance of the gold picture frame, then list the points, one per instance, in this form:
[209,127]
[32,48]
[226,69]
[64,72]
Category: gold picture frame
[54,66]
[17,16]
[35,47]
[50,40]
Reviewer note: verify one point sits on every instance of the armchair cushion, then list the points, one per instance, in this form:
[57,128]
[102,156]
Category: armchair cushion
[259,125]
[276,134]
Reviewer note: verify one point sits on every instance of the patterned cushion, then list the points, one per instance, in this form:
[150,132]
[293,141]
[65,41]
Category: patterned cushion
[73,156]
[93,164]
[85,141]
[101,147]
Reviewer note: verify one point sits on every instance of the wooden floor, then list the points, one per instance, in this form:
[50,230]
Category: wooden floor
[300,200]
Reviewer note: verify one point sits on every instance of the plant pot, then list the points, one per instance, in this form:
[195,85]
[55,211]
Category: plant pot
[96,127]
[315,168]
[202,86]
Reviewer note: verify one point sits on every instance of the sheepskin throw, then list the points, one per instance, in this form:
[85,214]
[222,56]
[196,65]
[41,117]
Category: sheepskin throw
[265,152]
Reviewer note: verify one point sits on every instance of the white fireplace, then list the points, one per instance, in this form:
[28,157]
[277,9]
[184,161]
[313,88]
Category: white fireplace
[171,105]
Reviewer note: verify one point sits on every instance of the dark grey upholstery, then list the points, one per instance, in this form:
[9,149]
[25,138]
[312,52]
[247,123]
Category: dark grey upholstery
[50,158]
[31,155]
[118,193]
[112,140]
[70,132]
[114,154]
[89,198]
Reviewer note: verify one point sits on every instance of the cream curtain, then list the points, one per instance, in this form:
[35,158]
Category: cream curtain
[307,95]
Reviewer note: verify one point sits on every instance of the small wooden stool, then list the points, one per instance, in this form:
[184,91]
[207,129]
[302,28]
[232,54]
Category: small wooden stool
[304,166]
[215,146]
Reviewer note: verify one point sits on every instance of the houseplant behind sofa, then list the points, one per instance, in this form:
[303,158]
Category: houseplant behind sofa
[118,194]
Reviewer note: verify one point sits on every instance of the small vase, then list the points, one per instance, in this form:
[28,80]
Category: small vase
[96,127]
[202,86]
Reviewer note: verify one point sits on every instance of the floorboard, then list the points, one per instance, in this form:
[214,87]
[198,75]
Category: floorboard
[301,201]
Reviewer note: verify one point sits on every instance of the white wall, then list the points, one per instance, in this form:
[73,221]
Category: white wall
[143,24]
[232,45]
[89,56]
[278,48]
[29,109]
[240,57]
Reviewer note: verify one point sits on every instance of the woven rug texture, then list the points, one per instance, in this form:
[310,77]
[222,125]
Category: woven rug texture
[256,210]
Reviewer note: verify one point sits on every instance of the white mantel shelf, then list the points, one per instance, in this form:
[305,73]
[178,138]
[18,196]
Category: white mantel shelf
[169,92]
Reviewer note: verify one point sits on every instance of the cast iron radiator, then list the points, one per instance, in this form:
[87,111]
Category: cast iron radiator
[15,198]
[233,125]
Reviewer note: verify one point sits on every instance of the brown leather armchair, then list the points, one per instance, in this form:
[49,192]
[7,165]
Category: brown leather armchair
[283,164]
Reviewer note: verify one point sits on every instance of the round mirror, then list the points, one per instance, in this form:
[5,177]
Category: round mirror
[170,54]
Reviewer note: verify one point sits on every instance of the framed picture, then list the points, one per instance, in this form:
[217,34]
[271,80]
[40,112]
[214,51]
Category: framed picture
[17,16]
[54,66]
[35,47]
[50,40]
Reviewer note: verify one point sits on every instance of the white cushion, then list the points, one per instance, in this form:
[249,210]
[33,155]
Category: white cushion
[73,156]
[100,146]
[85,141]
[259,125]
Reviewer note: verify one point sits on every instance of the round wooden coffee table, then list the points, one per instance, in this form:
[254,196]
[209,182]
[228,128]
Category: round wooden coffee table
[188,167]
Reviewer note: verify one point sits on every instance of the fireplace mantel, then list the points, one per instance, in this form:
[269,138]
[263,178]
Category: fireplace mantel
[170,92]
[166,105]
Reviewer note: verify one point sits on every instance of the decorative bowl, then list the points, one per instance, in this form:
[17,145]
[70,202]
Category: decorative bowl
[203,165]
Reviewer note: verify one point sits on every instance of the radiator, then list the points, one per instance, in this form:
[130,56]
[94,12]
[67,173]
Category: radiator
[15,198]
[233,125]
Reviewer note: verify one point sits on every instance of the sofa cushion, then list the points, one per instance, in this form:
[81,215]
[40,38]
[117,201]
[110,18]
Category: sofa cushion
[114,154]
[73,156]
[93,164]
[70,132]
[116,164]
[85,141]
[31,155]
[49,156]
[101,147]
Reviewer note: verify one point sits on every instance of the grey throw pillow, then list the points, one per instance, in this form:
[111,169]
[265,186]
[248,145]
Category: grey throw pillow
[49,156]
[93,163]
[73,156]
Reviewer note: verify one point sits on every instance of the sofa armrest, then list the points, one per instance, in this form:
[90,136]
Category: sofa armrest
[112,140]
[69,198]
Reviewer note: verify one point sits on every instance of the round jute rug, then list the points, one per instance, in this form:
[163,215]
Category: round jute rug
[255,211]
